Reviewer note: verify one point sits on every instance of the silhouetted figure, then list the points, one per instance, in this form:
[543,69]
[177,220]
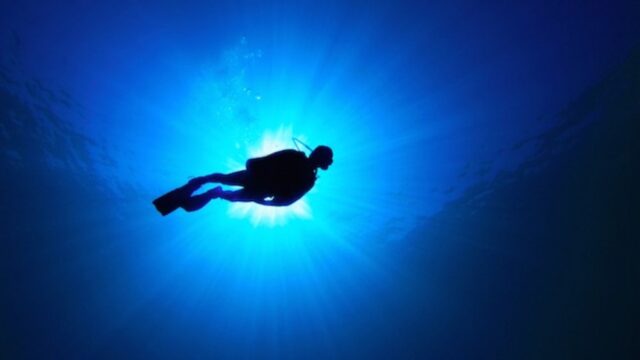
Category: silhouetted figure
[278,179]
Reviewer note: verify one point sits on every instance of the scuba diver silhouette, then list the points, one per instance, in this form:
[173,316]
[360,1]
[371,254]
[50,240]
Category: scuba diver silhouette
[278,179]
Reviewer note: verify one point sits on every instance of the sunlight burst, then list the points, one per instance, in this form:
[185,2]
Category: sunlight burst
[271,215]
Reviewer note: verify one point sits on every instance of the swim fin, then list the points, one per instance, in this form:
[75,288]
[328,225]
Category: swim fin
[174,199]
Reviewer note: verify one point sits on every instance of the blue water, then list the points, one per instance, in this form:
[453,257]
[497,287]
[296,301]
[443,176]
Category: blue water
[479,206]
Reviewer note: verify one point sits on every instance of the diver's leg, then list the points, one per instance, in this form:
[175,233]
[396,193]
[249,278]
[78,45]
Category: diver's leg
[241,195]
[238,178]
[197,202]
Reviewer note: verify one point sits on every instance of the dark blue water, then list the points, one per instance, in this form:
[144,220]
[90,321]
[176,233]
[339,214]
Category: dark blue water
[482,203]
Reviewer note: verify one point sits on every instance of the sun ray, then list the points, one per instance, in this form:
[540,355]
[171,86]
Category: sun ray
[261,215]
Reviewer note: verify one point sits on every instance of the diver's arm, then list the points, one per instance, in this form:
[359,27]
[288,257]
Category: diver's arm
[277,201]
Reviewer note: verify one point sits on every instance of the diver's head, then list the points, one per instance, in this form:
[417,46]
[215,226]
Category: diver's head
[321,157]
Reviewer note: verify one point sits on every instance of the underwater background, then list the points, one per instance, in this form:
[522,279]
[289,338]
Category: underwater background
[482,204]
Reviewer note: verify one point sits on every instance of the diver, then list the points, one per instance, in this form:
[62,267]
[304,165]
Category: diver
[278,179]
